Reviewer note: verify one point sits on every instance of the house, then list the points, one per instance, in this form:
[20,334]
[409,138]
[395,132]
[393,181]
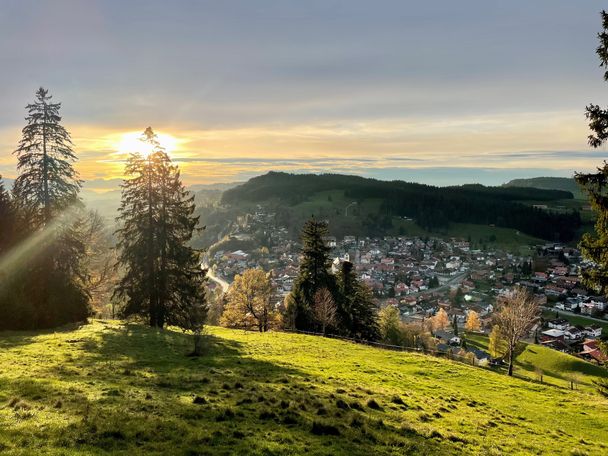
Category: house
[401,288]
[482,358]
[552,334]
[591,352]
[573,333]
[330,241]
[593,331]
[455,341]
[444,336]
[588,308]
[556,344]
[540,277]
[559,323]
[237,255]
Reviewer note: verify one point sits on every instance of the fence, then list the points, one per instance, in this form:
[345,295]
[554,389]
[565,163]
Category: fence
[434,352]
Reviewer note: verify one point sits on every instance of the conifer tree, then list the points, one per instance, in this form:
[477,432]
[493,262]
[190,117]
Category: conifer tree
[357,310]
[47,182]
[6,219]
[594,247]
[314,273]
[162,273]
[50,289]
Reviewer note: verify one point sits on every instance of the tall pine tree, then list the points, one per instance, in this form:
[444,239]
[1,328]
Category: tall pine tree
[47,183]
[6,219]
[162,278]
[357,310]
[595,246]
[314,274]
[49,289]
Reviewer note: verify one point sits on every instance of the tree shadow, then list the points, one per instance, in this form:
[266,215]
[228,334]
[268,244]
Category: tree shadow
[11,339]
[128,388]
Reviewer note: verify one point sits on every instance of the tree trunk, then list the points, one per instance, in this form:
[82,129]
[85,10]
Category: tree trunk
[151,279]
[162,288]
[45,173]
[197,345]
[511,362]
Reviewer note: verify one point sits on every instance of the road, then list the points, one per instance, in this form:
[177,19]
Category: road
[221,282]
[453,281]
[572,314]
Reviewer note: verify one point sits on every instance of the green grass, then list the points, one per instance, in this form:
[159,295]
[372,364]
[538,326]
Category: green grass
[557,367]
[110,387]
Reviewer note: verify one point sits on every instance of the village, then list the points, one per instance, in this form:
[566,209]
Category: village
[419,276]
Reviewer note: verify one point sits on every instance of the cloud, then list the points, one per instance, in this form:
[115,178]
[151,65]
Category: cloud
[346,85]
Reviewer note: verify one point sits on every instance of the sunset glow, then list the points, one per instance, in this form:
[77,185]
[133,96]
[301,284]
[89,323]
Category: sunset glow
[131,143]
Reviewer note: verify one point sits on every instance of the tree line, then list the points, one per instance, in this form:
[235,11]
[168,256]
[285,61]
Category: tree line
[432,208]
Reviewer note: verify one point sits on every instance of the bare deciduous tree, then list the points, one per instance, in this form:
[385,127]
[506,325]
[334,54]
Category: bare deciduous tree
[517,313]
[324,308]
[100,260]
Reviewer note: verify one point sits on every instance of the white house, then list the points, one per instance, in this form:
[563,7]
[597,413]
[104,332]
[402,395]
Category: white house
[559,323]
[593,331]
[573,333]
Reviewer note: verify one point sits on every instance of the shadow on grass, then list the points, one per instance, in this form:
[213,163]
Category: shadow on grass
[128,388]
[11,339]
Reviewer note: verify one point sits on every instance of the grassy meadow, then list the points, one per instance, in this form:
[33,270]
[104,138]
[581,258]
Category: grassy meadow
[112,387]
[558,368]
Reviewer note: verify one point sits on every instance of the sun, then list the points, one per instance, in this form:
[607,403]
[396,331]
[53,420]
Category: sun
[130,143]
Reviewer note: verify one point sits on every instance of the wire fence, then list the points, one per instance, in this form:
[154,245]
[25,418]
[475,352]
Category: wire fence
[426,351]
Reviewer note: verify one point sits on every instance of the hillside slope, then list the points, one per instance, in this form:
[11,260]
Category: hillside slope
[558,368]
[127,389]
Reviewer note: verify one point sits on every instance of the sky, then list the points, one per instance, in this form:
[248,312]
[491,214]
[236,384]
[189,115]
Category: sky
[440,92]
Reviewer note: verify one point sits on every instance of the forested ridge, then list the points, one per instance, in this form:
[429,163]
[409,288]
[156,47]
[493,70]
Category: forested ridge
[431,207]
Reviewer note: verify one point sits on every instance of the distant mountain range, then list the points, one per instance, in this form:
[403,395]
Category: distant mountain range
[567,184]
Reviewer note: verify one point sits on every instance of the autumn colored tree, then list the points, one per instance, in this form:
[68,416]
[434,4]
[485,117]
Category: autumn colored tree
[440,320]
[496,344]
[249,302]
[473,322]
[324,308]
[516,315]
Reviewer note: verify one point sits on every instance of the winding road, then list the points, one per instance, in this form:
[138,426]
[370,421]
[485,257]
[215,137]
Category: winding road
[221,282]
